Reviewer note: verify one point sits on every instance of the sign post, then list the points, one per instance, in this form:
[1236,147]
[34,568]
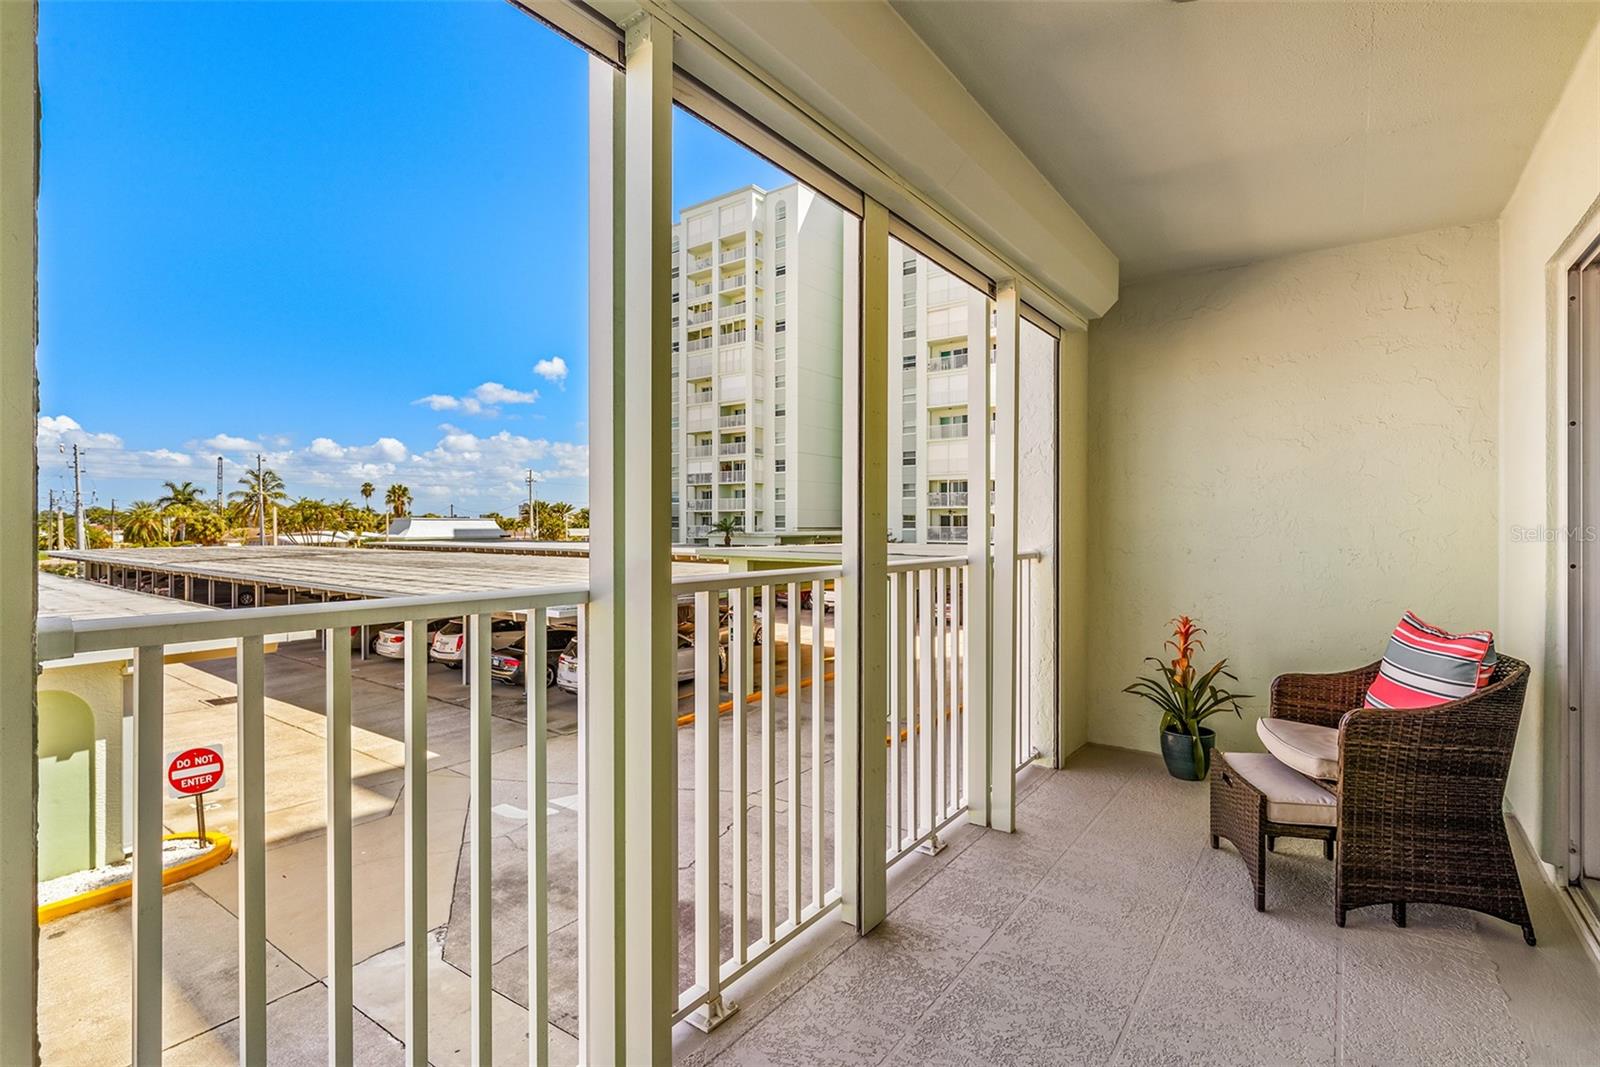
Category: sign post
[194,772]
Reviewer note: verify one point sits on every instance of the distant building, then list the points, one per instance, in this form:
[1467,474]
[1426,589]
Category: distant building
[446,529]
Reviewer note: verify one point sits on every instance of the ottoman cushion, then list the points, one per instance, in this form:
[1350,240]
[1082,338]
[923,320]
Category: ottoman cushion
[1292,798]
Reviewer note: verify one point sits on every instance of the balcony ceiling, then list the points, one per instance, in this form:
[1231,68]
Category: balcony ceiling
[1205,134]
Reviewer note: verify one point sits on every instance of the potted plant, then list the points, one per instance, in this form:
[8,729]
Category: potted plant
[1186,699]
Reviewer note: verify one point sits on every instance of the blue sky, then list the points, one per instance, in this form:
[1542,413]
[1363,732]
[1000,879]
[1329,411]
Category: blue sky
[349,235]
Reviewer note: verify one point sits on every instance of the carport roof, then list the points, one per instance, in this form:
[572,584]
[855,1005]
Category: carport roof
[370,572]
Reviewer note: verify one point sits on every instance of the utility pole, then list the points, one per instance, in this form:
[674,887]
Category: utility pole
[261,502]
[77,498]
[531,525]
[220,507]
[113,522]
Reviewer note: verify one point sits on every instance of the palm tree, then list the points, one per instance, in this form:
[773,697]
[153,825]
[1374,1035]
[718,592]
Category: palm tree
[579,518]
[398,499]
[727,526]
[270,492]
[557,513]
[142,524]
[179,501]
[367,489]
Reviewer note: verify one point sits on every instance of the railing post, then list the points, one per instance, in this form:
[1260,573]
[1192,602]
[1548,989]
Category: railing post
[341,956]
[1003,702]
[980,606]
[861,659]
[416,852]
[149,683]
[250,678]
[19,407]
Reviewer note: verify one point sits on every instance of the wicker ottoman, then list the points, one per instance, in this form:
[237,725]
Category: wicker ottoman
[1255,800]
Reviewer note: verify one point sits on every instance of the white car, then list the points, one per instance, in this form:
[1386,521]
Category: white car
[567,665]
[391,640]
[451,638]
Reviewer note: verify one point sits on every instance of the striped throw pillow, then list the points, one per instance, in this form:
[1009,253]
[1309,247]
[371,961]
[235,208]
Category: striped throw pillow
[1424,666]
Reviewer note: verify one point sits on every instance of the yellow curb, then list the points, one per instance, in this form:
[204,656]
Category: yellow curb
[221,848]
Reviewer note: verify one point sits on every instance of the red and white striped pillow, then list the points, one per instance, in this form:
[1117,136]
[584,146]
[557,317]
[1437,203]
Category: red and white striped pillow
[1425,666]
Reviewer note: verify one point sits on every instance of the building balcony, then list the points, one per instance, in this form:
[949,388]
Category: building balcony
[731,255]
[733,448]
[698,367]
[731,283]
[699,344]
[699,264]
[736,421]
[941,534]
[699,452]
[948,431]
[696,292]
[947,500]
[733,477]
[698,417]
[696,318]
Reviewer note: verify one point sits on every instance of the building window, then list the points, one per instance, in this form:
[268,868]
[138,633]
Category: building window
[780,465]
[779,381]
[908,458]
[780,326]
[909,267]
[781,269]
[779,411]
[779,493]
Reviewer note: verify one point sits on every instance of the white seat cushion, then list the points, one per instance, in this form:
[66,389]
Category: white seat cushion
[1291,797]
[1310,749]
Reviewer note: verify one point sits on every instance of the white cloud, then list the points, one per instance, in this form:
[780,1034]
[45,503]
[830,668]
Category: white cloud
[461,468]
[553,369]
[485,400]
[227,442]
[495,393]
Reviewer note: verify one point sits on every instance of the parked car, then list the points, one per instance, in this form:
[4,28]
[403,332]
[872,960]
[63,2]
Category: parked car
[508,665]
[567,664]
[391,640]
[451,639]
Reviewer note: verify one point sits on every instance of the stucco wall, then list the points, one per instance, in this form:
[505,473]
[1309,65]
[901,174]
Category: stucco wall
[1559,185]
[1294,452]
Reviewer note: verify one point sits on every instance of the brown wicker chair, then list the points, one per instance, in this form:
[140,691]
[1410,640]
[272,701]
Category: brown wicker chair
[1420,793]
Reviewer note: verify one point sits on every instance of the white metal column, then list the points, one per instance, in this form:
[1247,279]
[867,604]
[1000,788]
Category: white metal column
[649,738]
[1003,594]
[863,612]
[19,408]
[600,934]
[980,606]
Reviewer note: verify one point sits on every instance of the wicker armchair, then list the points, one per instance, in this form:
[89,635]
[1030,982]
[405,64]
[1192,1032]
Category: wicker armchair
[1420,793]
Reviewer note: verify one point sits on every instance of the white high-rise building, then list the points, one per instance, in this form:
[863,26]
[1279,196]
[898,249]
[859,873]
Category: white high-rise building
[758,333]
[758,330]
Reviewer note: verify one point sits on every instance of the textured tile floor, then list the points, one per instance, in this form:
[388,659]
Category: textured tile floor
[1106,931]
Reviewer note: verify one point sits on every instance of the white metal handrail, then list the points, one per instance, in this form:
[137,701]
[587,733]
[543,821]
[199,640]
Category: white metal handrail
[946,431]
[784,907]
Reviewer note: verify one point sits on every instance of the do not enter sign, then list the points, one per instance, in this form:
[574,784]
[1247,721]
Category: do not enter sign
[194,771]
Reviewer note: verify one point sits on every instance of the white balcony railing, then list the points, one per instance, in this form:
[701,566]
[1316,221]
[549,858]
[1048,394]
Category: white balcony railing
[777,658]
[947,533]
[699,263]
[698,478]
[697,367]
[732,281]
[695,318]
[731,255]
[733,448]
[731,503]
[733,477]
[699,452]
[732,337]
[699,344]
[947,500]
[947,431]
[149,638]
[732,422]
[695,292]
[765,916]
[947,363]
[700,416]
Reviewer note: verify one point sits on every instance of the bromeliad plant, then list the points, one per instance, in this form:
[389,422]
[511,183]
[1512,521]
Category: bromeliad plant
[1185,697]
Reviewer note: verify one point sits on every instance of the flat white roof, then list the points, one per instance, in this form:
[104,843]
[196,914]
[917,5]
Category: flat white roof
[71,598]
[364,572]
